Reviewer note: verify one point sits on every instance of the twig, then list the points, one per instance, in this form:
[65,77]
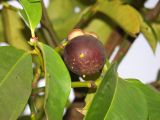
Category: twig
[88,14]
[85,17]
[36,77]
[32,108]
[35,91]
[152,14]
[45,22]
[124,47]
[114,40]
[89,84]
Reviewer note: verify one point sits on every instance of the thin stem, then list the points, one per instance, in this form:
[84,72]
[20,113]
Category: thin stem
[38,90]
[88,13]
[153,13]
[36,77]
[114,40]
[46,23]
[33,33]
[89,84]
[61,46]
[32,108]
[124,47]
[40,57]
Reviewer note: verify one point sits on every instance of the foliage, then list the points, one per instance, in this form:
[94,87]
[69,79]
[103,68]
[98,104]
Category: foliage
[38,56]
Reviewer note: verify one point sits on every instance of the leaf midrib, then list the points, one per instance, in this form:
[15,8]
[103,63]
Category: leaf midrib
[112,97]
[26,15]
[12,68]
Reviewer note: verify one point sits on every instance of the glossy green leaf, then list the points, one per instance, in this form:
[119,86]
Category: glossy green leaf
[124,15]
[15,82]
[14,29]
[90,95]
[150,35]
[152,96]
[116,99]
[32,12]
[58,83]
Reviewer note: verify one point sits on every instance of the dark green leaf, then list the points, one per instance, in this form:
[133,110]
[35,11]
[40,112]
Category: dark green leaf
[32,12]
[152,97]
[58,83]
[116,99]
[15,82]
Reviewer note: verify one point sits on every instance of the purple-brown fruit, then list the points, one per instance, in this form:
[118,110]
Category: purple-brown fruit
[84,55]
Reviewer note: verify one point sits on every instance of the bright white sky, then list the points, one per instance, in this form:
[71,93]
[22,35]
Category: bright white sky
[140,62]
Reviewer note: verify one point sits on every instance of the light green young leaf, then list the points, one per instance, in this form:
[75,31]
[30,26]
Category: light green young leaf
[58,83]
[15,82]
[32,12]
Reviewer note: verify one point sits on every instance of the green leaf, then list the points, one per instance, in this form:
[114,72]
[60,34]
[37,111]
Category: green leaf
[65,19]
[90,95]
[1,30]
[15,82]
[124,15]
[103,28]
[152,96]
[150,35]
[116,97]
[32,12]
[14,29]
[58,83]
[156,27]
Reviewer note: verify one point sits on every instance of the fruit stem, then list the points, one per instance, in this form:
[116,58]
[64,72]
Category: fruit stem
[61,46]
[89,84]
